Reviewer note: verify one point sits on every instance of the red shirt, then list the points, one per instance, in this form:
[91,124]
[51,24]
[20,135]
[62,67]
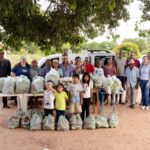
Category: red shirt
[89,68]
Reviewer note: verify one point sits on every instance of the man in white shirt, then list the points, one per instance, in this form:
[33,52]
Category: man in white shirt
[120,62]
[132,75]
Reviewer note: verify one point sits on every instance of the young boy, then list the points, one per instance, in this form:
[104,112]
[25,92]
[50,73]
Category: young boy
[60,99]
[75,94]
[49,98]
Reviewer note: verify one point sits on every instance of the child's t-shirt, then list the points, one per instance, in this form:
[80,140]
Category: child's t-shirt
[61,100]
[75,90]
[49,98]
[87,89]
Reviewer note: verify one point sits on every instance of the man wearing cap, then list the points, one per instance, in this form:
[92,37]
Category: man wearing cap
[88,67]
[34,69]
[66,67]
[57,68]
[46,69]
[132,75]
[5,69]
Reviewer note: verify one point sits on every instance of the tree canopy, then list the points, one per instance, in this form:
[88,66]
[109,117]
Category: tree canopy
[63,21]
[127,47]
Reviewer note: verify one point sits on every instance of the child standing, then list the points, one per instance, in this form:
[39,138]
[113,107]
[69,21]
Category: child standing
[61,98]
[87,88]
[49,98]
[75,89]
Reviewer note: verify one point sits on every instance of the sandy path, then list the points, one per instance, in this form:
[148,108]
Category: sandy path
[132,133]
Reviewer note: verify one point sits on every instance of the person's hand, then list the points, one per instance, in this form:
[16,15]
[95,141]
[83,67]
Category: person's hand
[147,84]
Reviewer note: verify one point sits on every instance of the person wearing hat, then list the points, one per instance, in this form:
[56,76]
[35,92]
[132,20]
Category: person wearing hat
[56,67]
[66,67]
[34,69]
[22,68]
[46,69]
[5,69]
[88,67]
[132,75]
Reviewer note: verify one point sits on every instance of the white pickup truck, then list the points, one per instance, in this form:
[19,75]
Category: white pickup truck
[94,55]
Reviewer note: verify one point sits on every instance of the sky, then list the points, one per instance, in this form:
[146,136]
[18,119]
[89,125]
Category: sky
[125,30]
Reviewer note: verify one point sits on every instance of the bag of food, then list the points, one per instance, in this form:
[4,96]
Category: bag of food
[22,84]
[25,120]
[76,122]
[2,81]
[89,122]
[49,123]
[113,118]
[52,75]
[37,85]
[63,124]
[97,81]
[9,85]
[14,120]
[36,122]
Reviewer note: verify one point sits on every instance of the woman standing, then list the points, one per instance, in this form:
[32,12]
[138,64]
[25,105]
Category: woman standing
[145,82]
[78,68]
[109,68]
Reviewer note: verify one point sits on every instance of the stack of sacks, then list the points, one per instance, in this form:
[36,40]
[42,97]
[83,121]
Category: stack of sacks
[52,75]
[116,86]
[97,81]
[9,85]
[22,84]
[65,81]
[2,81]
[37,85]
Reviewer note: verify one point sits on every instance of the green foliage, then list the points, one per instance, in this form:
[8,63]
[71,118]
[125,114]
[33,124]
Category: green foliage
[127,47]
[99,46]
[64,21]
[138,41]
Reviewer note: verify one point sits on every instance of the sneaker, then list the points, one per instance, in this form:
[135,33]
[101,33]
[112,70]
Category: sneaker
[143,107]
[147,108]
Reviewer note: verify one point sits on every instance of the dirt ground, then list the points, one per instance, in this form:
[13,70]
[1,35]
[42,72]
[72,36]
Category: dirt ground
[132,133]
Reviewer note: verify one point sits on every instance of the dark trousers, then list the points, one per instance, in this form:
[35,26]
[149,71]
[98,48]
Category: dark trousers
[5,101]
[59,113]
[48,112]
[85,107]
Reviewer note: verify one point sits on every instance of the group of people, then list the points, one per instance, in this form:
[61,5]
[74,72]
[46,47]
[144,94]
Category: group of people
[130,71]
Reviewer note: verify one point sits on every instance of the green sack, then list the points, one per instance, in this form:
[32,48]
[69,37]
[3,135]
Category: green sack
[49,123]
[14,120]
[25,120]
[76,122]
[63,124]
[89,122]
[36,122]
[101,121]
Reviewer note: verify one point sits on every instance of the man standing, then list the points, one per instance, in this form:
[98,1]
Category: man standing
[5,69]
[136,61]
[46,69]
[66,67]
[132,75]
[120,62]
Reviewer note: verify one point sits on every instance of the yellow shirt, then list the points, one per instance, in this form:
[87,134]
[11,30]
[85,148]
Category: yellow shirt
[61,100]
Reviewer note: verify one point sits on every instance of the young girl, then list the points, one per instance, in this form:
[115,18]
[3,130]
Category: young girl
[49,98]
[60,99]
[87,88]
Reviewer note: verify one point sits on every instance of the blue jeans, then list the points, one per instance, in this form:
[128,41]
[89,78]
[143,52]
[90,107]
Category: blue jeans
[101,96]
[145,92]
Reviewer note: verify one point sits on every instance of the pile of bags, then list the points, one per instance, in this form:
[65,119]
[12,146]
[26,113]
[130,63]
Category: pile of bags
[37,85]
[97,81]
[22,84]
[52,75]
[65,81]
